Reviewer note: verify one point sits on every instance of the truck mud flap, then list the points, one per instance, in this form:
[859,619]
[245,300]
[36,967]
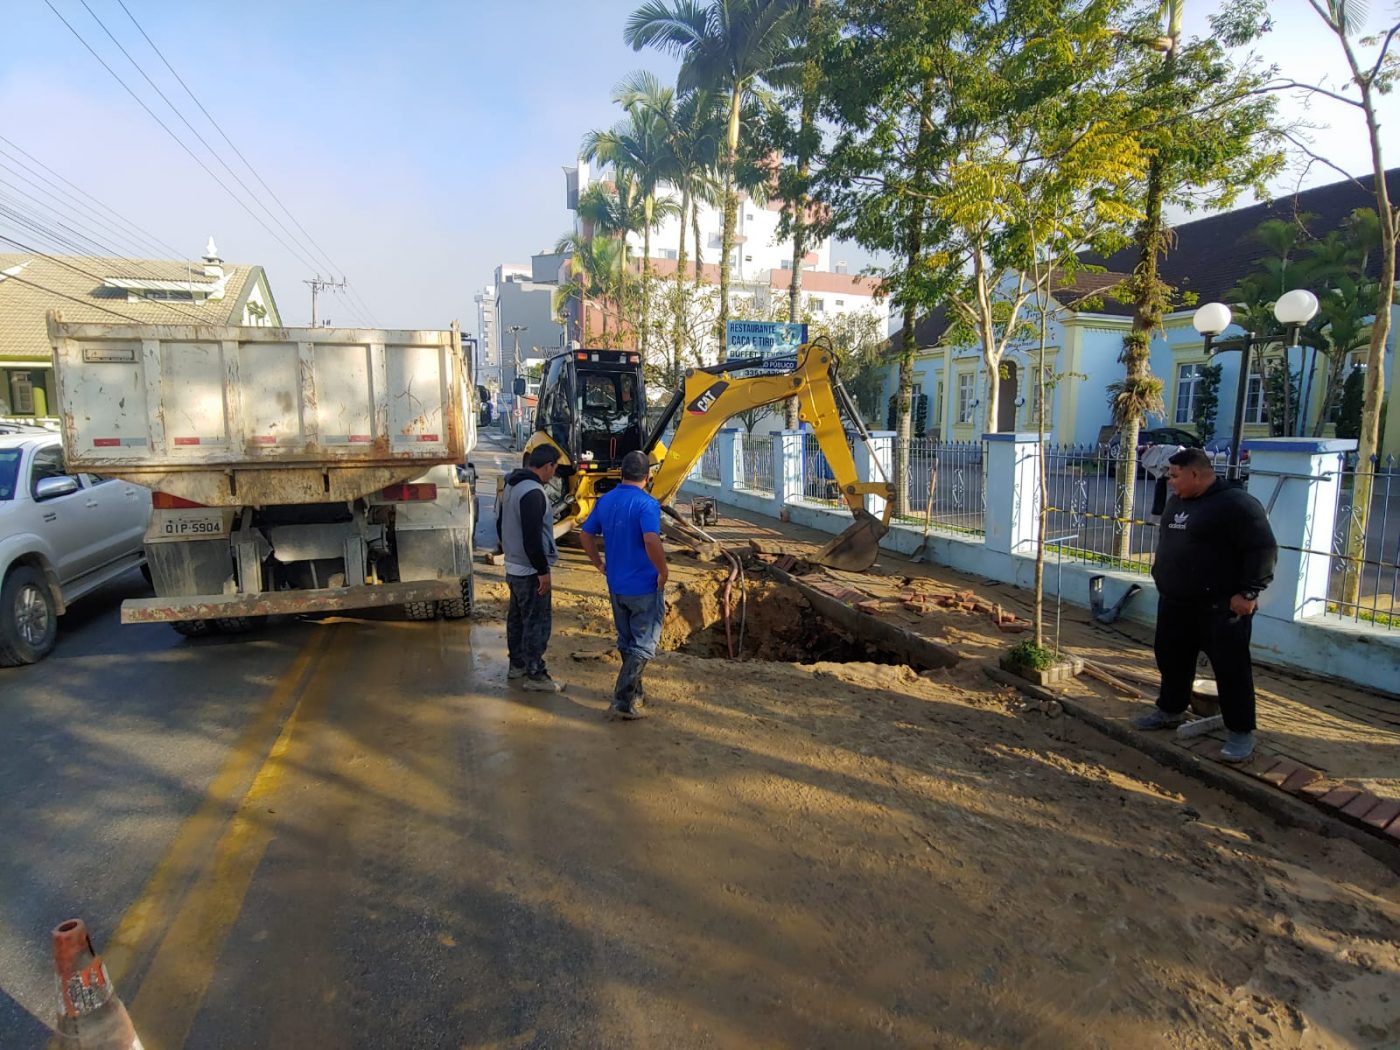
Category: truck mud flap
[284,603]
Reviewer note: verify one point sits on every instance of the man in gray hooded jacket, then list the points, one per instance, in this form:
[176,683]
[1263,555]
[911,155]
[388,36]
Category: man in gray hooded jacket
[526,531]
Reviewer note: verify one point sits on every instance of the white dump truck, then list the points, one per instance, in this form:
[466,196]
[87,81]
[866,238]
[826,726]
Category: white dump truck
[293,470]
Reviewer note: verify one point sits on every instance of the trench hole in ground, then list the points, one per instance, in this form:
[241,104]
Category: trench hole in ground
[780,626]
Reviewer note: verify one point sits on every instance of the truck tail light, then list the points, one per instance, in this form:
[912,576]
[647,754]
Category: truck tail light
[423,492]
[165,501]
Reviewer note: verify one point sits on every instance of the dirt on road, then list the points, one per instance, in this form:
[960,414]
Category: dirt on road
[846,852]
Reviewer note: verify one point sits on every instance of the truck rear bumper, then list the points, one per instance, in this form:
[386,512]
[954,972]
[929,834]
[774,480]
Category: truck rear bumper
[275,603]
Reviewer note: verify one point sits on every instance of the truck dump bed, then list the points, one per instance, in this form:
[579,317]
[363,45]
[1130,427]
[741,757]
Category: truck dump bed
[240,416]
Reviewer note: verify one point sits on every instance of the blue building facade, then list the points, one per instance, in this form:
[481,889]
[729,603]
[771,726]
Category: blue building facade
[1087,329]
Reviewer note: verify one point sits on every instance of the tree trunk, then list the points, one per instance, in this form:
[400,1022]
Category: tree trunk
[1373,397]
[1140,391]
[678,325]
[699,251]
[731,217]
[811,74]
[991,356]
[646,281]
[913,248]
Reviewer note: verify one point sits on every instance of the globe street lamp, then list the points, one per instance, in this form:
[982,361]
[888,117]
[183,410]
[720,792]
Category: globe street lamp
[1293,310]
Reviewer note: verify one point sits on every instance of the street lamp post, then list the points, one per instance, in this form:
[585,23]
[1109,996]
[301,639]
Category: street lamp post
[1293,310]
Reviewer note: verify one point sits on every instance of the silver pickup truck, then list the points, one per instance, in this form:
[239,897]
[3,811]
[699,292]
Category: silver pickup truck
[62,535]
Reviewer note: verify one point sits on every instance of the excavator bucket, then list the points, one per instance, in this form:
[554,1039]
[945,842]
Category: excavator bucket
[856,549]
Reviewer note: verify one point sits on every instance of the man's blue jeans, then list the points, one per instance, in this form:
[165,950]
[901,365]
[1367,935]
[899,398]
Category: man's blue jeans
[638,620]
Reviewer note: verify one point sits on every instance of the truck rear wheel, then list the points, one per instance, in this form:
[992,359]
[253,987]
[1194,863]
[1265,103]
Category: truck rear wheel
[459,608]
[421,610]
[235,624]
[192,628]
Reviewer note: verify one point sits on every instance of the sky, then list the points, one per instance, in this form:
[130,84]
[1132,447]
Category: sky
[419,144]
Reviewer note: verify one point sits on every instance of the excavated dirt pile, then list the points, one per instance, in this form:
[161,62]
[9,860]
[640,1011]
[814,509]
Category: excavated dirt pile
[775,621]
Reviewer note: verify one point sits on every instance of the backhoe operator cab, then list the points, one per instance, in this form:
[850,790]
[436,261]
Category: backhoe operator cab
[592,407]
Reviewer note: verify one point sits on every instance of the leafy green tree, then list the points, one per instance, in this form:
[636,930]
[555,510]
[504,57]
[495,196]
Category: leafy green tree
[639,151]
[732,46]
[1371,76]
[882,74]
[1208,129]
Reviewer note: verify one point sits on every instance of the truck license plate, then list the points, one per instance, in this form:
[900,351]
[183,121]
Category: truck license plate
[194,524]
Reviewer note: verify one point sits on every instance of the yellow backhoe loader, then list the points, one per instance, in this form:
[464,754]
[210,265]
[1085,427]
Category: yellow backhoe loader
[592,408]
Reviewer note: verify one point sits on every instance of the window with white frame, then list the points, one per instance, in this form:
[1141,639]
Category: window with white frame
[817,305]
[840,302]
[937,420]
[670,253]
[1255,410]
[1188,390]
[966,386]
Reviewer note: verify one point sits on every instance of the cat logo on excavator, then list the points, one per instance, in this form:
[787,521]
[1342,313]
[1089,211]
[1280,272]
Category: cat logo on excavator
[706,401]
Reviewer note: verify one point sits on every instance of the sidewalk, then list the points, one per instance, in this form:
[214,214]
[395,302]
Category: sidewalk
[1349,737]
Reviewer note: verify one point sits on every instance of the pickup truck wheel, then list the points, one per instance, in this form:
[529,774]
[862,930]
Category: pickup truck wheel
[458,608]
[192,628]
[28,620]
[235,624]
[421,610]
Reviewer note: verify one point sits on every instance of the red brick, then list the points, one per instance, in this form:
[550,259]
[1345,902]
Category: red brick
[1299,779]
[1361,805]
[1273,768]
[1393,829]
[1317,788]
[1339,797]
[1381,815]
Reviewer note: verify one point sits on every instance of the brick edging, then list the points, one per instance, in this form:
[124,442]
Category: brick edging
[1284,808]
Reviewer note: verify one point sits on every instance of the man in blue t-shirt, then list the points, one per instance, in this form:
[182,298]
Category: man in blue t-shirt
[629,521]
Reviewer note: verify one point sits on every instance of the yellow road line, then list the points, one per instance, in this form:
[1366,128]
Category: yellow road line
[146,916]
[173,989]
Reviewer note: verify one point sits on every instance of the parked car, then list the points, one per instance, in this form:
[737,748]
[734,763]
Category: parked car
[1153,436]
[61,536]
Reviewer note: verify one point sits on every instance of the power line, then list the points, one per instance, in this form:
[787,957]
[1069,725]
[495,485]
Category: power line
[58,194]
[149,237]
[78,241]
[330,263]
[77,228]
[179,141]
[193,130]
[198,318]
[61,295]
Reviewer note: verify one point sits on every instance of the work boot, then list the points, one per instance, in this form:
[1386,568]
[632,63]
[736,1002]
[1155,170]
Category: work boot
[1238,747]
[1158,719]
[625,710]
[516,672]
[541,683]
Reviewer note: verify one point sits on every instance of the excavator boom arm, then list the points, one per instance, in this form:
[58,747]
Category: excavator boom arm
[711,397]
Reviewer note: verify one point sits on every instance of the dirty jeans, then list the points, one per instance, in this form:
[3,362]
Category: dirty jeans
[528,623]
[638,620]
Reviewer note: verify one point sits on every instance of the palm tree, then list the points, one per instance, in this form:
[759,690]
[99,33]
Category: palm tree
[693,130]
[596,269]
[729,45]
[639,150]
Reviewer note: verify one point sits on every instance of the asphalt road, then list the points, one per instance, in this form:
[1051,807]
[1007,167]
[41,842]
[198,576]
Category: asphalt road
[141,776]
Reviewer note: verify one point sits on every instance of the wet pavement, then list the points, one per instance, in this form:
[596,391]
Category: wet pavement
[349,832]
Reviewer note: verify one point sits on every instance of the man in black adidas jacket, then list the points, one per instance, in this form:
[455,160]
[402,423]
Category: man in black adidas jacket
[1215,554]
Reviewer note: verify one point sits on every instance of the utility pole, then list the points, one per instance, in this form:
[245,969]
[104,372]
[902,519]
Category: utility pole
[317,286]
[515,330]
